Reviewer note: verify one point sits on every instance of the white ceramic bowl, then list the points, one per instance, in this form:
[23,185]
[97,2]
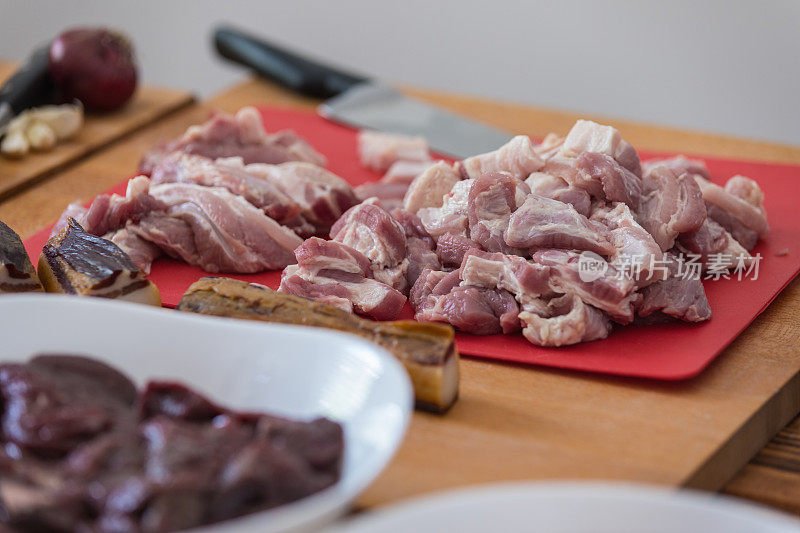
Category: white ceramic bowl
[571,507]
[286,370]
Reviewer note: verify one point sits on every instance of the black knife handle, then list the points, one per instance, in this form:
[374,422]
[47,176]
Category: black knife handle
[299,74]
[31,85]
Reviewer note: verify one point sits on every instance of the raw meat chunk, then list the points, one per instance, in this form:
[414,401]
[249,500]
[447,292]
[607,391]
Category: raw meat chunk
[517,157]
[492,199]
[671,204]
[565,320]
[608,291]
[379,151]
[679,296]
[333,273]
[429,188]
[240,135]
[545,223]
[452,216]
[556,188]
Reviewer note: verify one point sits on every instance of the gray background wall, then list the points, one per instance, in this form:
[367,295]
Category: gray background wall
[727,66]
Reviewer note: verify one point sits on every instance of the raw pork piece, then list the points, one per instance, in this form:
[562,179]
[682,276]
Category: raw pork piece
[240,135]
[230,173]
[609,291]
[679,296]
[492,199]
[451,217]
[636,254]
[680,164]
[738,208]
[372,231]
[429,188]
[526,280]
[475,310]
[333,273]
[141,252]
[545,223]
[563,321]
[588,136]
[379,151]
[322,195]
[619,184]
[214,229]
[405,171]
[419,245]
[549,146]
[517,157]
[110,212]
[714,246]
[556,188]
[671,204]
[387,195]
[451,249]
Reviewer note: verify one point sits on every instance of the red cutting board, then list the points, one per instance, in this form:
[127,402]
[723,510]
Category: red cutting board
[666,351]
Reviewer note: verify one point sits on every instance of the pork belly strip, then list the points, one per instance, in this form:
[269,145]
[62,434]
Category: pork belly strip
[427,351]
[16,270]
[240,135]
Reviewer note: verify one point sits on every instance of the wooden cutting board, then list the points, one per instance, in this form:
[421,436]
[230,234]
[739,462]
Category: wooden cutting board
[515,422]
[148,105]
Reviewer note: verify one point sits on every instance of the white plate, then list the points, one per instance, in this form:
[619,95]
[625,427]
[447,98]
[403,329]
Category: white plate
[563,507]
[287,370]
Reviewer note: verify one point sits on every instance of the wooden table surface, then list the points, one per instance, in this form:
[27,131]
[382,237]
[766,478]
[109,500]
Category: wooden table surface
[515,422]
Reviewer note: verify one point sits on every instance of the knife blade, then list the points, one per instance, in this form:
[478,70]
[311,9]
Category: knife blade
[358,101]
[30,86]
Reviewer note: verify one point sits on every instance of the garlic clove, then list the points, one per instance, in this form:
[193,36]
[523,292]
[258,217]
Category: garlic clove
[65,120]
[14,145]
[41,136]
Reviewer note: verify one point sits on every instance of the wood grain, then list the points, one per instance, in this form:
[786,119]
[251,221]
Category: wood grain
[515,422]
[148,105]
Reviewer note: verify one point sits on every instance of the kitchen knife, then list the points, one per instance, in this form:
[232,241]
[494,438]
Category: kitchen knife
[359,101]
[30,86]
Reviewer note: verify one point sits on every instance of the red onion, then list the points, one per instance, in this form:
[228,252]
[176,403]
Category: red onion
[95,66]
